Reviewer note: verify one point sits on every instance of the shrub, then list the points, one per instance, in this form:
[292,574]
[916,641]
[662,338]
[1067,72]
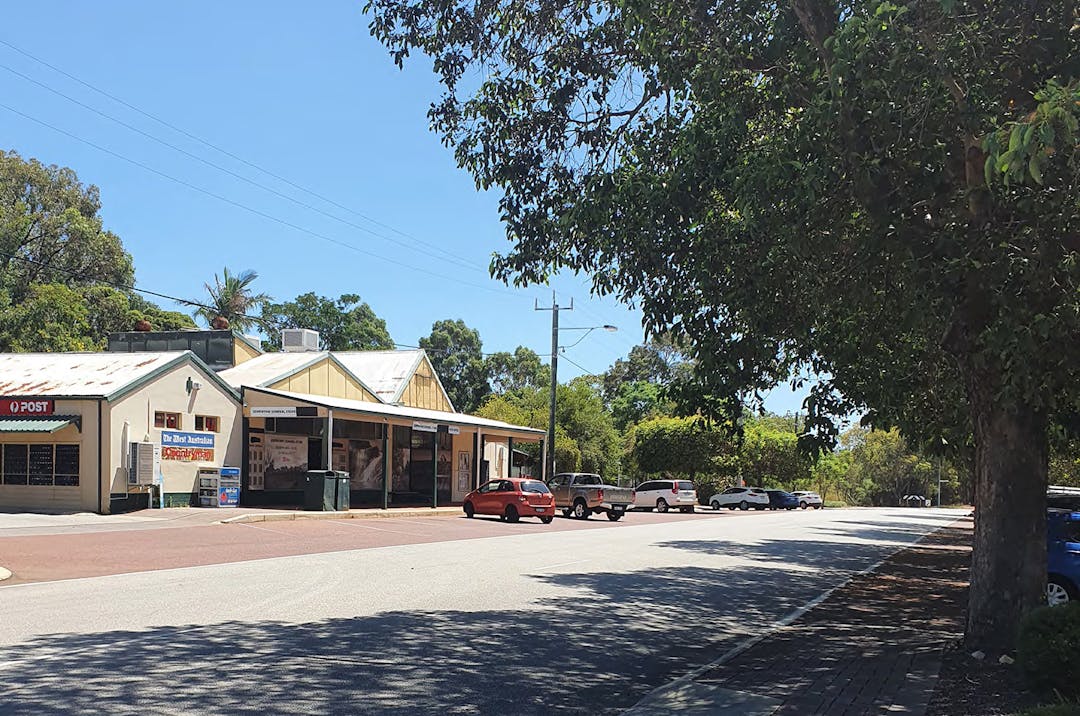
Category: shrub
[1048,649]
[835,503]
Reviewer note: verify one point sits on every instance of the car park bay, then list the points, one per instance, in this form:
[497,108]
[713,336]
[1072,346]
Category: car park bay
[420,620]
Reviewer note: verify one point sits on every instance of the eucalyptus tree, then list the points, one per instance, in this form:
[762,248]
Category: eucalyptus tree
[880,193]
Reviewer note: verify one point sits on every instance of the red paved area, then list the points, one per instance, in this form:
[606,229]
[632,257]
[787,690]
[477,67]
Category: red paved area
[66,556]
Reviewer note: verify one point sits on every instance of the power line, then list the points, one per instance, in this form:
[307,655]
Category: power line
[122,287]
[253,210]
[216,148]
[449,256]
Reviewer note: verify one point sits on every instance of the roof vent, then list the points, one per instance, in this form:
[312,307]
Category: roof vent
[299,340]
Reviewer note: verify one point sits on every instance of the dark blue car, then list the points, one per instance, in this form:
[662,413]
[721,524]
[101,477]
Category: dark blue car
[1062,557]
[780,500]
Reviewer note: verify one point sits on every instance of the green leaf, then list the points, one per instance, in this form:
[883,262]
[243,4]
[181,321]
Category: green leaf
[1035,170]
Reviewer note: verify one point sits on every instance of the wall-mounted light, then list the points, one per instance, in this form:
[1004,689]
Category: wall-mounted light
[192,385]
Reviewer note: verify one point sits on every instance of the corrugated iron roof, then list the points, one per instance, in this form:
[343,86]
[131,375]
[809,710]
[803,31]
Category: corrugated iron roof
[269,368]
[401,411]
[34,425]
[89,375]
[385,372]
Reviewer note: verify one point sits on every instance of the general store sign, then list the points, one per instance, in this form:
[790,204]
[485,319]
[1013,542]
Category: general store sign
[187,447]
[272,412]
[425,427]
[26,406]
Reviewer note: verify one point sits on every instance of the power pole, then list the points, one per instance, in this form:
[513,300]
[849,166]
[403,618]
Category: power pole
[549,467]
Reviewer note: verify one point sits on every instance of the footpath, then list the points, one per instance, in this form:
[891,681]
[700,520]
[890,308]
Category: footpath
[871,646]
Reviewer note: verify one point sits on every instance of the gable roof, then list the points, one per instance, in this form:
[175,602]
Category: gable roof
[270,368]
[91,375]
[388,372]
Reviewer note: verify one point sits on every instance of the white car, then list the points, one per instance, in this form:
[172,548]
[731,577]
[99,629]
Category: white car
[665,494]
[809,499]
[742,497]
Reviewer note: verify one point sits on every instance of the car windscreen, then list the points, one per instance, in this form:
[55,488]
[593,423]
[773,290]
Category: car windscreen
[534,486]
[686,485]
[587,480]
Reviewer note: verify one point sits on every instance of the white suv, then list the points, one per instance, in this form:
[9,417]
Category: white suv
[809,499]
[664,494]
[742,497]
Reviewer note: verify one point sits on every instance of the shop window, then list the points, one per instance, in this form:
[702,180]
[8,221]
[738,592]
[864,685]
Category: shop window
[40,465]
[168,421]
[207,423]
[358,430]
[16,461]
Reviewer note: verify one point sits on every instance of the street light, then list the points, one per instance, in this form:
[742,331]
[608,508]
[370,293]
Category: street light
[549,467]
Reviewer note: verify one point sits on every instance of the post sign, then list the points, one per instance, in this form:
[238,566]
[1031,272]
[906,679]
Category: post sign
[187,447]
[26,406]
[425,427]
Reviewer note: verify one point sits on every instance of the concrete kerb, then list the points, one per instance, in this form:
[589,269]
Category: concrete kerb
[351,515]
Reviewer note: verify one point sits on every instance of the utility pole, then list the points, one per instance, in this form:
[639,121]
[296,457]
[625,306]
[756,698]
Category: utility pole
[549,467]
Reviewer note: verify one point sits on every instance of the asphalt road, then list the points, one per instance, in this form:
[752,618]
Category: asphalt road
[521,621]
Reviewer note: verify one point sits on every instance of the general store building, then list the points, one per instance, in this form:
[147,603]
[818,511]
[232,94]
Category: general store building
[382,416]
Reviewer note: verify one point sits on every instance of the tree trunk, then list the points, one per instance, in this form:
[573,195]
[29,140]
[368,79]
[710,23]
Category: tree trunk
[1008,566]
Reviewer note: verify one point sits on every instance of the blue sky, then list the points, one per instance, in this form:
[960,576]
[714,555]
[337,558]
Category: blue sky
[302,90]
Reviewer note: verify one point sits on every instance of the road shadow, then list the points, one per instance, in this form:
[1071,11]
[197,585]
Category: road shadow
[598,650]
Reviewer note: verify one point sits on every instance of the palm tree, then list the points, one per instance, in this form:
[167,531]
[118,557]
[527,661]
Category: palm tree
[230,297]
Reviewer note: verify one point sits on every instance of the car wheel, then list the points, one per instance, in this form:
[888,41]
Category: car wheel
[803,505]
[661,505]
[818,507]
[1059,591]
[715,505]
[546,520]
[744,505]
[469,510]
[614,516]
[686,510]
[511,514]
[732,506]
[581,510]
[567,512]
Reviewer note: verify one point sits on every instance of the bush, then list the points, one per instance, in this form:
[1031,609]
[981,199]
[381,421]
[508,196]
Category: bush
[1048,649]
[708,485]
[835,503]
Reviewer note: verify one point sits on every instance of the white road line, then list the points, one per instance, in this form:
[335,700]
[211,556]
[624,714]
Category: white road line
[349,523]
[561,564]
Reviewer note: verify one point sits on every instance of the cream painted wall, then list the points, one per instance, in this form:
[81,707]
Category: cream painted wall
[84,497]
[325,378]
[168,393]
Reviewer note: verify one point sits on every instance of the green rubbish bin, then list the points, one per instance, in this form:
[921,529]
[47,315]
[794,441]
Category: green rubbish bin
[320,490]
[341,480]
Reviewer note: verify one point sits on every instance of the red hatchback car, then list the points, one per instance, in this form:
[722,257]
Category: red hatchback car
[511,499]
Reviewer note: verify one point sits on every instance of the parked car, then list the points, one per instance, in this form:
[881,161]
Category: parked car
[782,500]
[742,497]
[809,499]
[511,499]
[1062,557]
[665,494]
[581,494]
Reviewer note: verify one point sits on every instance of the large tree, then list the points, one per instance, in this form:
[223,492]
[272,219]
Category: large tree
[520,370]
[50,230]
[344,324]
[456,352]
[884,193]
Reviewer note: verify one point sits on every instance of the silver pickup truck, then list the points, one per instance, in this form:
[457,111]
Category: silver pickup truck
[581,493]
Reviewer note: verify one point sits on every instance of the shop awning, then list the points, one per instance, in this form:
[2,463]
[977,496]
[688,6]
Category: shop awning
[36,425]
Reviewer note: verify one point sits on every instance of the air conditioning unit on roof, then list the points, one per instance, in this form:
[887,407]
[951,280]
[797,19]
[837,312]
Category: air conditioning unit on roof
[299,340]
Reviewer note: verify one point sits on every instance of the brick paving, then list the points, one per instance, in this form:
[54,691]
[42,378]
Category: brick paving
[874,646]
